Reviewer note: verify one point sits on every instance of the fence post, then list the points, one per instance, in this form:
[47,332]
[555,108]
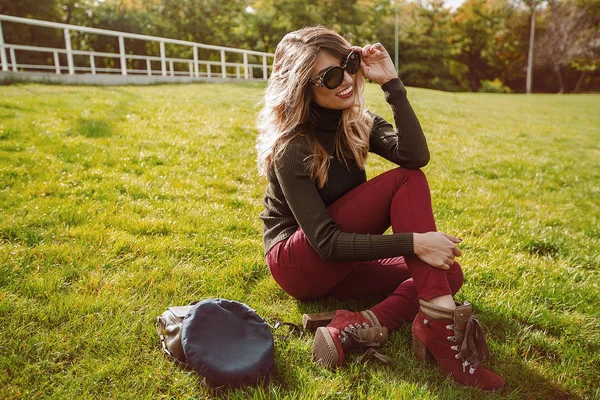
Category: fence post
[265,67]
[171,67]
[13,59]
[163,60]
[93,64]
[191,70]
[245,65]
[196,67]
[122,51]
[69,51]
[223,66]
[56,63]
[3,51]
[208,73]
[148,67]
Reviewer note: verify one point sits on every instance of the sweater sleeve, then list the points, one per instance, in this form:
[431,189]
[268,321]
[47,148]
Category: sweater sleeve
[406,146]
[324,235]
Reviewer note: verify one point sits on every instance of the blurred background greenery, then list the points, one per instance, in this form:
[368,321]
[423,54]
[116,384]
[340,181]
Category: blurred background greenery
[475,45]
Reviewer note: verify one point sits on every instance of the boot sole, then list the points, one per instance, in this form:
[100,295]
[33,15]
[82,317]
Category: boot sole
[314,321]
[324,351]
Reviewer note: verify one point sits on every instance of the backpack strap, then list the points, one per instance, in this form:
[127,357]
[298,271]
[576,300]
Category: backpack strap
[292,329]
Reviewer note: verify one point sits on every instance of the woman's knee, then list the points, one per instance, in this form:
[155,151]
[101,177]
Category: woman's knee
[415,175]
[401,171]
[408,176]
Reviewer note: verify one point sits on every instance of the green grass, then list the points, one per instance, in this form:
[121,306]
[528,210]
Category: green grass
[116,202]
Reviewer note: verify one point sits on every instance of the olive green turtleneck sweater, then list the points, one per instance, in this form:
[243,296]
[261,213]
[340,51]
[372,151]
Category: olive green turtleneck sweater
[293,199]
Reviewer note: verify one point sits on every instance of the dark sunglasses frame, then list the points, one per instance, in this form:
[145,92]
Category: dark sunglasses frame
[325,78]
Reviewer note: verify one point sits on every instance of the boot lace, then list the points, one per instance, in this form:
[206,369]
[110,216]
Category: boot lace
[351,329]
[349,336]
[473,348]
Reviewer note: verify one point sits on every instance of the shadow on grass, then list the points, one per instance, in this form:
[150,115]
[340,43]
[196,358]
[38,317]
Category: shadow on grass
[13,107]
[9,111]
[103,127]
[521,380]
[93,128]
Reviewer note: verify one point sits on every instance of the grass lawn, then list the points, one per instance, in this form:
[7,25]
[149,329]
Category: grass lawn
[116,202]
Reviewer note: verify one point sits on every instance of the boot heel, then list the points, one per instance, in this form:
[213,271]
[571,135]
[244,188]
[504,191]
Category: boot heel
[421,351]
[314,321]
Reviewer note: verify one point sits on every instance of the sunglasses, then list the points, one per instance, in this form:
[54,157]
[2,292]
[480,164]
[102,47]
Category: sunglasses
[334,76]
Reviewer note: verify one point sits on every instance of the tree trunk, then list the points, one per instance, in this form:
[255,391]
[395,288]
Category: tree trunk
[69,15]
[474,78]
[579,81]
[561,88]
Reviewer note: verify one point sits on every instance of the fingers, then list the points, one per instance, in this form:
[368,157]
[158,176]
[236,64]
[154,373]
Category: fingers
[452,238]
[442,265]
[455,250]
[378,46]
[437,249]
[370,49]
[365,69]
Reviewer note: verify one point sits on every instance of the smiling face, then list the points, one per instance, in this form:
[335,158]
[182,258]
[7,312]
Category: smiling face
[341,97]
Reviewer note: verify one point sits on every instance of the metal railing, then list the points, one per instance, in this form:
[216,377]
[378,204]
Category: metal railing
[169,66]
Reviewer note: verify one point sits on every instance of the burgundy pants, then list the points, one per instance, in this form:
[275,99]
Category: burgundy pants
[399,198]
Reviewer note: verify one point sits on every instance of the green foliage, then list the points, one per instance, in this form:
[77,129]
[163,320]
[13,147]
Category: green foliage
[440,48]
[116,202]
[425,51]
[476,25]
[592,6]
[495,86]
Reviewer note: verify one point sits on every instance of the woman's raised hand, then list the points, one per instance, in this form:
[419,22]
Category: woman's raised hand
[437,249]
[376,63]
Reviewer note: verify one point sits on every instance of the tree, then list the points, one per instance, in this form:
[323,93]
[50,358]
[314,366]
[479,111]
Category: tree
[568,39]
[424,46]
[476,24]
[510,46]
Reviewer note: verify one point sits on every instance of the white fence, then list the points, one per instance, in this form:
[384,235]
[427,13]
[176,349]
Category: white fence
[221,63]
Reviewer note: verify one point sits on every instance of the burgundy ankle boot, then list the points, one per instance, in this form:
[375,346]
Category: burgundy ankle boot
[455,340]
[348,331]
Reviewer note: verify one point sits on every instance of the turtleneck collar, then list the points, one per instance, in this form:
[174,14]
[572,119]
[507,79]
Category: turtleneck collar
[324,118]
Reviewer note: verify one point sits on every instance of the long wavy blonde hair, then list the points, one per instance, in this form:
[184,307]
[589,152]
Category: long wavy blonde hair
[286,110]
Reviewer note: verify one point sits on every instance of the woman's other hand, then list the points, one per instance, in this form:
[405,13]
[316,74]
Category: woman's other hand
[376,63]
[437,249]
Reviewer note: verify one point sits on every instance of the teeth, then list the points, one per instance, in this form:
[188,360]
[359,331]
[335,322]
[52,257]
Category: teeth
[345,91]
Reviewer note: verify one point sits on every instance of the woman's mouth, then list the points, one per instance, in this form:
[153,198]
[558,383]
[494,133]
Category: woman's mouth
[346,92]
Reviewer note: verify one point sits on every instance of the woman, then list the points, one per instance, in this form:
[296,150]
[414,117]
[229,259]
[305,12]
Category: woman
[324,223]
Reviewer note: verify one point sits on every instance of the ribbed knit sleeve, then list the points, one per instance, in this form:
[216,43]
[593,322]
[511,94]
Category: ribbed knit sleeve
[406,145]
[328,240]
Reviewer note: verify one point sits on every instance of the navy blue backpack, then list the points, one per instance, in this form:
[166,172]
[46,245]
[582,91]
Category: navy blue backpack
[225,341]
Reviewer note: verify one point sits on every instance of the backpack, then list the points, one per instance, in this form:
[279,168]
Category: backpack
[224,341]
